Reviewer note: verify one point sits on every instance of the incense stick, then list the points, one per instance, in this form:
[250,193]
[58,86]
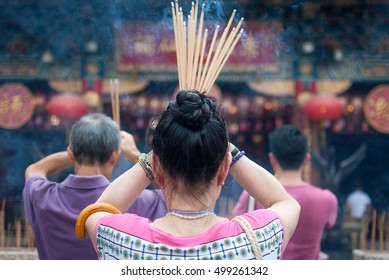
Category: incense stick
[224,35]
[229,40]
[215,75]
[189,56]
[191,42]
[113,107]
[197,49]
[177,21]
[387,231]
[115,101]
[182,44]
[204,41]
[216,60]
[18,232]
[224,53]
[2,223]
[184,51]
[381,228]
[205,71]
[177,40]
[373,230]
[364,231]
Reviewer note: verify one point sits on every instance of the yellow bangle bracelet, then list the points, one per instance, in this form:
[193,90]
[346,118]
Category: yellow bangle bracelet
[89,210]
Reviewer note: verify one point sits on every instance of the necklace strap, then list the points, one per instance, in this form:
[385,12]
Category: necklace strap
[190,214]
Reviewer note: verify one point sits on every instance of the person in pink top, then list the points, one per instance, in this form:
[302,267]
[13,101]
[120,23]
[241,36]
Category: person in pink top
[288,154]
[190,159]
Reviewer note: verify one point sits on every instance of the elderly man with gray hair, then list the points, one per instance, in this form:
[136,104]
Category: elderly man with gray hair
[52,208]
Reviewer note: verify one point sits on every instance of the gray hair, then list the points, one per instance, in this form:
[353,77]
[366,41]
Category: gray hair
[94,138]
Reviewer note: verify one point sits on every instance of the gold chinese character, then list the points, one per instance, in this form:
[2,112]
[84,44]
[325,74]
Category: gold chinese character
[167,46]
[250,47]
[16,104]
[380,108]
[4,105]
[144,45]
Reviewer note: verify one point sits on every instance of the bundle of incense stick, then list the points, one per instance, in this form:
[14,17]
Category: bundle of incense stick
[114,84]
[191,40]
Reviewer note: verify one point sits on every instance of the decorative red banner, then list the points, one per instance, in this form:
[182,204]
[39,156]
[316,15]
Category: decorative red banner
[376,108]
[16,105]
[148,46]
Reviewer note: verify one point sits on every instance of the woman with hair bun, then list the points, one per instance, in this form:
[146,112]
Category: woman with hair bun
[190,159]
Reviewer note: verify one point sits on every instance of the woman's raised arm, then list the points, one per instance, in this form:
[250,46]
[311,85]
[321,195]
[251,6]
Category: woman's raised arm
[265,188]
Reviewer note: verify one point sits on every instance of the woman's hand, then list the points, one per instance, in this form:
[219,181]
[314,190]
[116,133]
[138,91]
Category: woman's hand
[231,147]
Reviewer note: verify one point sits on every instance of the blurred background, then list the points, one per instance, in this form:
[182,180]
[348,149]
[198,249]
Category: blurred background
[321,65]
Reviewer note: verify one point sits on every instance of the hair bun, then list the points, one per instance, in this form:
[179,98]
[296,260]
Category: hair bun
[192,109]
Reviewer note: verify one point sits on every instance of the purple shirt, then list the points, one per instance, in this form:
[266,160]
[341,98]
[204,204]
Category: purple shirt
[52,210]
[319,209]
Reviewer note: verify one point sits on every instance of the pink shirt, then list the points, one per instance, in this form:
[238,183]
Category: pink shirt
[318,212]
[131,237]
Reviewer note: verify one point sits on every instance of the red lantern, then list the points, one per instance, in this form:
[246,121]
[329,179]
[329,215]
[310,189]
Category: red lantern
[67,106]
[321,107]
